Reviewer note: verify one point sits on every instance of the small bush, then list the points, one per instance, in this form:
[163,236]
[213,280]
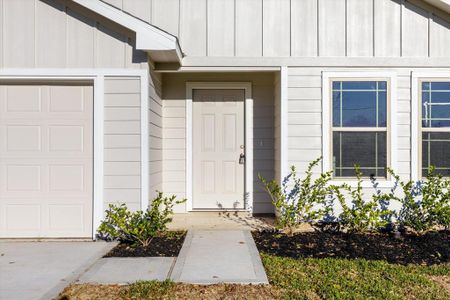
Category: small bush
[424,204]
[300,200]
[361,215]
[139,227]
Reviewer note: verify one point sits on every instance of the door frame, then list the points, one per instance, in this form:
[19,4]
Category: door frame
[248,138]
[97,78]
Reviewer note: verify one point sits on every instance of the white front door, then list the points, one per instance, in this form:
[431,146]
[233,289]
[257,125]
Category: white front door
[218,142]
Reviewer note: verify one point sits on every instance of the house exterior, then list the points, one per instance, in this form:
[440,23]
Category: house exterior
[108,101]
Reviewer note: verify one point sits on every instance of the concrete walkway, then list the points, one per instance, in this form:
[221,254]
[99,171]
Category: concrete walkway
[41,270]
[219,256]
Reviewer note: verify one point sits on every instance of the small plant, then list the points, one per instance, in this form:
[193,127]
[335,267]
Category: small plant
[425,203]
[362,215]
[300,200]
[139,227]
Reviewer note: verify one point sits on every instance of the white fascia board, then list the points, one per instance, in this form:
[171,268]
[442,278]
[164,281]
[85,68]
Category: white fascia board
[442,4]
[148,37]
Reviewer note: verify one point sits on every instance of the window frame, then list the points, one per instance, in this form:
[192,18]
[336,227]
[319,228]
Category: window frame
[417,130]
[327,120]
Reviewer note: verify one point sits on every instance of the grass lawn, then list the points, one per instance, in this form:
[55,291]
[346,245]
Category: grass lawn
[291,278]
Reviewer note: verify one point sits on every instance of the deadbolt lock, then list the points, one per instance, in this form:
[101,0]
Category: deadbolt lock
[242,159]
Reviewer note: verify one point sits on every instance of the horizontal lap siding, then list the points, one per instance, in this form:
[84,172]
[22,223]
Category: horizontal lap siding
[155,134]
[174,131]
[305,118]
[122,154]
[299,28]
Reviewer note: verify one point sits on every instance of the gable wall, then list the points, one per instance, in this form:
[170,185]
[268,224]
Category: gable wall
[297,28]
[56,34]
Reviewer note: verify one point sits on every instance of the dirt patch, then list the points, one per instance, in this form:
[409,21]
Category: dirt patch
[444,281]
[428,249]
[178,291]
[168,245]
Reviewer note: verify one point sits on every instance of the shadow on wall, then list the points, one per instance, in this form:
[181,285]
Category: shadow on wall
[174,97]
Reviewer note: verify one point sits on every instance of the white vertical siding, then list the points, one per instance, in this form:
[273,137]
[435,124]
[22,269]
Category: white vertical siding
[122,154]
[165,14]
[18,34]
[221,28]
[304,28]
[57,34]
[276,28]
[387,24]
[248,40]
[439,37]
[360,27]
[414,31]
[332,35]
[300,28]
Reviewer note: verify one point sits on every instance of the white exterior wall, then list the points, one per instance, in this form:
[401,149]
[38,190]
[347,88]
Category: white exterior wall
[59,35]
[122,155]
[174,130]
[56,34]
[305,116]
[155,134]
[299,28]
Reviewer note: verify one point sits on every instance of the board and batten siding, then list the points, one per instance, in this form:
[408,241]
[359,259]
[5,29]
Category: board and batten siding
[299,28]
[57,34]
[174,131]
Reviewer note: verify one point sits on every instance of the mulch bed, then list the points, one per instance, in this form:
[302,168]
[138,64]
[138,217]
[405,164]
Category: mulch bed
[427,249]
[168,245]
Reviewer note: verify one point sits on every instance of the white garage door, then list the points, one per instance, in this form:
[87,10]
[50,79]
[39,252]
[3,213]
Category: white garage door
[46,135]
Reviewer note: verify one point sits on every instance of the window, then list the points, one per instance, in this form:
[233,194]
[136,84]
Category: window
[435,126]
[359,127]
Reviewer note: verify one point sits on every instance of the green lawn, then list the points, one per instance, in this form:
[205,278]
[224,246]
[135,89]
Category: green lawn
[290,278]
[331,278]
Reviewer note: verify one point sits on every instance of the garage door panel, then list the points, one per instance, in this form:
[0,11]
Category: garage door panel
[23,138]
[23,99]
[46,157]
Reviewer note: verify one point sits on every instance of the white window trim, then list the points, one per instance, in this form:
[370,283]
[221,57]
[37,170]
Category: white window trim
[97,76]
[247,87]
[326,119]
[416,77]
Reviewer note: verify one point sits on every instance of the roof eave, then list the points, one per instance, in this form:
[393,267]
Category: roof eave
[444,5]
[160,45]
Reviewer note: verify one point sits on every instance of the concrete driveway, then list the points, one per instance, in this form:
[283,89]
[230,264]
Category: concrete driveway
[41,270]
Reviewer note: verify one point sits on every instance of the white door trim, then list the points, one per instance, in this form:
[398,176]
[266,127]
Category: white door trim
[247,87]
[97,77]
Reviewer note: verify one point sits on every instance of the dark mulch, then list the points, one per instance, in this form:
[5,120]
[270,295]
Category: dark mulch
[427,249]
[168,245]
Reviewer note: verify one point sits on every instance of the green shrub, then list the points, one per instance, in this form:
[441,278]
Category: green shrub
[300,200]
[139,227]
[424,204]
[361,215]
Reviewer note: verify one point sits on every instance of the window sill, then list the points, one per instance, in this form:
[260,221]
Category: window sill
[365,183]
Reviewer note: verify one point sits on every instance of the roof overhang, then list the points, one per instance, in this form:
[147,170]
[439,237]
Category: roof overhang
[442,4]
[161,46]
